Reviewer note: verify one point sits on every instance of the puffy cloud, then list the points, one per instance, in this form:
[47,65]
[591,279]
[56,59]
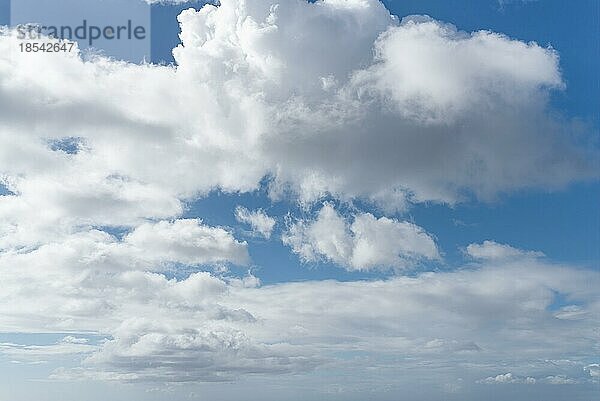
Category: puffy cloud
[186,241]
[259,221]
[593,369]
[155,352]
[47,206]
[207,328]
[74,340]
[490,250]
[71,274]
[288,91]
[559,380]
[366,243]
[149,246]
[412,53]
[508,378]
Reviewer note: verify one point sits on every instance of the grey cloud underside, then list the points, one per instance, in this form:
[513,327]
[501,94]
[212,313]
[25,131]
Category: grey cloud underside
[487,319]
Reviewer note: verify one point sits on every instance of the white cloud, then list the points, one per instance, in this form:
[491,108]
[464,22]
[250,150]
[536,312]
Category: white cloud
[508,378]
[289,91]
[426,92]
[593,369]
[186,241]
[74,340]
[258,220]
[490,250]
[366,243]
[151,246]
[205,328]
[157,352]
[559,380]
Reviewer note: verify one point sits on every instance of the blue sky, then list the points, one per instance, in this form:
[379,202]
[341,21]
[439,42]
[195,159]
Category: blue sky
[307,203]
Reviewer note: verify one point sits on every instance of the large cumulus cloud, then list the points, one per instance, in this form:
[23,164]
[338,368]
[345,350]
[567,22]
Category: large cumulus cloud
[331,97]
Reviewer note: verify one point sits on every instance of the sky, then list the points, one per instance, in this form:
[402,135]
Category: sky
[335,200]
